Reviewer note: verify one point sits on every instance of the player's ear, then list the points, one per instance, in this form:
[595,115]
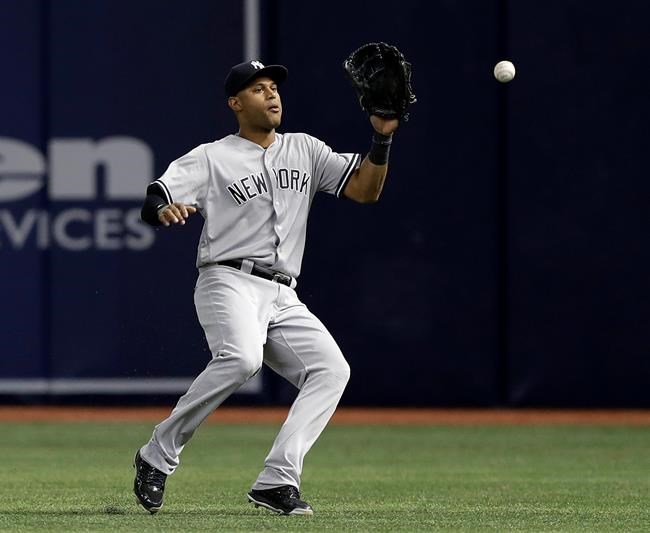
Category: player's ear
[234,103]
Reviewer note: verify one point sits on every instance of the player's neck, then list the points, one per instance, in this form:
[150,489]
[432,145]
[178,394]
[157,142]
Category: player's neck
[262,137]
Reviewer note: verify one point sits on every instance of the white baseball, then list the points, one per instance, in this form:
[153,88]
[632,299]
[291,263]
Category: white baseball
[504,71]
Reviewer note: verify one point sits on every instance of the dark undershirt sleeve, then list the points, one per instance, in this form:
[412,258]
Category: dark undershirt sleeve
[152,203]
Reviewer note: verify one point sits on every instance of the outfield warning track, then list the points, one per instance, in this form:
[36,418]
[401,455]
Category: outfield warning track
[343,416]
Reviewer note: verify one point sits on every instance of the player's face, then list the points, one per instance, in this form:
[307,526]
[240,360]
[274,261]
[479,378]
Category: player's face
[260,103]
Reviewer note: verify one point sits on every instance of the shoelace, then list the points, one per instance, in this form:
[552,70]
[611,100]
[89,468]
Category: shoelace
[154,477]
[293,492]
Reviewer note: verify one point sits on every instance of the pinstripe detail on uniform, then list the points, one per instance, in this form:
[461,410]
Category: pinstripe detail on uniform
[346,175]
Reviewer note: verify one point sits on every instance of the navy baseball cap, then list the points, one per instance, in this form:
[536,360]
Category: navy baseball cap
[241,75]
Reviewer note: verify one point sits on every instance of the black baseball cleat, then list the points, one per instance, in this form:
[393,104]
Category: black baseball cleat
[283,500]
[149,484]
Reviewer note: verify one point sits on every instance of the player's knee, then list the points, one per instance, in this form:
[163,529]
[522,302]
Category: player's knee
[249,366]
[241,366]
[341,372]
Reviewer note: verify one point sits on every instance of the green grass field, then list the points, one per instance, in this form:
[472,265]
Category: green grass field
[78,477]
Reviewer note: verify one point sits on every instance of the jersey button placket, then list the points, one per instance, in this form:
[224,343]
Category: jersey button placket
[275,200]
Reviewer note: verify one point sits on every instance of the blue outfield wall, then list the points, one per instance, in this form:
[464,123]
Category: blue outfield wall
[504,265]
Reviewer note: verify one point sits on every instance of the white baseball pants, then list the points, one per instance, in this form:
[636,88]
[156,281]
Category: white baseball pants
[247,321]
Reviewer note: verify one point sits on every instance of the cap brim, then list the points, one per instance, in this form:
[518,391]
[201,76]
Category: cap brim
[277,73]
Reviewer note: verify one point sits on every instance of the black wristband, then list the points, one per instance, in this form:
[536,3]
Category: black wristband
[380,148]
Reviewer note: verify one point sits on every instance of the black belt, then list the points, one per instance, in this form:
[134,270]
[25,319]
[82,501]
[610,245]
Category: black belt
[260,271]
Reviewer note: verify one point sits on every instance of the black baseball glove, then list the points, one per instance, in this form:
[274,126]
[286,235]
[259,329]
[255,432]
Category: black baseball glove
[382,79]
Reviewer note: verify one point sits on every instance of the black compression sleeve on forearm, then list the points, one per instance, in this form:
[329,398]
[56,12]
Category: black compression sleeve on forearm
[149,212]
[380,148]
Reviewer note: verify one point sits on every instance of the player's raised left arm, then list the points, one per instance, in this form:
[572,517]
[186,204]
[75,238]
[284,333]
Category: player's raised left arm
[366,183]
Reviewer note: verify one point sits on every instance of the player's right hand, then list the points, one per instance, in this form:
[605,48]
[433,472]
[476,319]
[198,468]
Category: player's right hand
[175,213]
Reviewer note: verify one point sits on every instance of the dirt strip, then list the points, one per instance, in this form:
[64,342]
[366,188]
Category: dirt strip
[391,416]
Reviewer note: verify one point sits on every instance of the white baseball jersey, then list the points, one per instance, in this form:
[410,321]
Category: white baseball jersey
[255,201]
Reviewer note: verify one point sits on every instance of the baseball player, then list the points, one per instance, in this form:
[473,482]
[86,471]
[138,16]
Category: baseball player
[254,190]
